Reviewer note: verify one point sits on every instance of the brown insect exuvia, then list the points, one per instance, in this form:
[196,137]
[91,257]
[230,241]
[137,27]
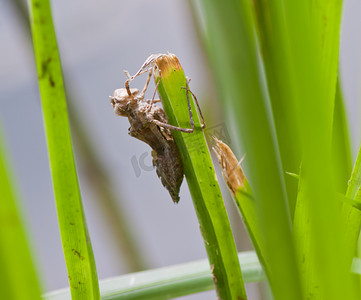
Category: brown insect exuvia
[149,124]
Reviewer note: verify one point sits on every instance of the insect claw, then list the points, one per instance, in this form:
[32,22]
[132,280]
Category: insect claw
[127,74]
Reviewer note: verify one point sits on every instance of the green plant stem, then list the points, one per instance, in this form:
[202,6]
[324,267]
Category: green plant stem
[246,205]
[240,189]
[169,282]
[18,277]
[202,182]
[77,248]
[229,35]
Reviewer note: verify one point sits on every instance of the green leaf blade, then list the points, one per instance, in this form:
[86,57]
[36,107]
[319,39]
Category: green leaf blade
[168,282]
[202,182]
[77,248]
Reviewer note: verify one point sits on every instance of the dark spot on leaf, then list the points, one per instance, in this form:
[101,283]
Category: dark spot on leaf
[51,81]
[77,253]
[44,67]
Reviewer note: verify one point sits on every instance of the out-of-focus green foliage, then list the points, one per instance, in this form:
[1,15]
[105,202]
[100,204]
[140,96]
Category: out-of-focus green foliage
[18,278]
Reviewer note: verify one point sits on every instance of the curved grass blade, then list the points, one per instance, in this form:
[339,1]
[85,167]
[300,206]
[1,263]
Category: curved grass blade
[168,282]
[77,248]
[18,278]
[202,182]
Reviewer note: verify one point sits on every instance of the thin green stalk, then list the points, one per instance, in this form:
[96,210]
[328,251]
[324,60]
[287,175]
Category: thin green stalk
[202,182]
[246,204]
[168,282]
[77,248]
[240,189]
[18,277]
[232,47]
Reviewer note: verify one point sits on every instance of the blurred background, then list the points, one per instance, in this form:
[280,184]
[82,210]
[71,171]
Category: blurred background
[97,41]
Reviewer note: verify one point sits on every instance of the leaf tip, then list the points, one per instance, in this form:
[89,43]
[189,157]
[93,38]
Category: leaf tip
[168,63]
[231,170]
